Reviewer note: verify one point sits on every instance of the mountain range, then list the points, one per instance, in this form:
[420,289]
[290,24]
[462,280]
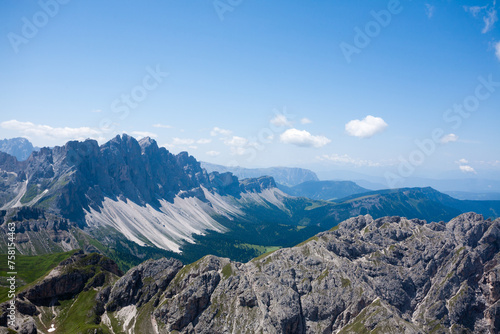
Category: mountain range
[386,275]
[207,252]
[133,200]
[324,190]
[129,189]
[286,176]
[467,186]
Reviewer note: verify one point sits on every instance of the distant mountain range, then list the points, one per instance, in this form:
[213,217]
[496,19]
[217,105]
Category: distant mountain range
[283,175]
[427,203]
[465,195]
[469,187]
[464,188]
[324,190]
[21,148]
[134,200]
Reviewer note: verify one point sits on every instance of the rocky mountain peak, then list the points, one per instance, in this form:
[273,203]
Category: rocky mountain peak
[77,176]
[388,275]
[148,145]
[21,148]
[258,184]
[8,162]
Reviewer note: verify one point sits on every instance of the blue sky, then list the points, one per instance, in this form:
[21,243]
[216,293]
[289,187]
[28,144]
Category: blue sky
[320,84]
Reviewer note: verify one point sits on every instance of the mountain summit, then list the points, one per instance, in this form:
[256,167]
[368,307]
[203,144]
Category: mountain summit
[148,194]
[21,148]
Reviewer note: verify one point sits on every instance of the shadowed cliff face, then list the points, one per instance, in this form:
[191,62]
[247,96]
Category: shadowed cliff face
[73,178]
[389,275]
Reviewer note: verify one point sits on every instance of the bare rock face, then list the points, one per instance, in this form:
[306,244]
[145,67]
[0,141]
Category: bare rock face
[257,184]
[389,275]
[38,231]
[70,179]
[140,284]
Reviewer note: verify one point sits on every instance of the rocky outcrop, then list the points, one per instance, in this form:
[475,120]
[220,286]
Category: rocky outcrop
[387,275]
[38,232]
[257,184]
[190,294]
[80,271]
[391,275]
[140,284]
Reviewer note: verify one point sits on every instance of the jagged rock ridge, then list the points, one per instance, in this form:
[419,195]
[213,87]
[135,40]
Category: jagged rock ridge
[287,176]
[144,192]
[389,275]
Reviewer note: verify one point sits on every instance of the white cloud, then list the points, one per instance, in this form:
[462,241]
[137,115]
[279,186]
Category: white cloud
[97,110]
[237,145]
[474,10]
[49,132]
[429,10]
[467,169]
[163,126]
[238,150]
[281,120]
[216,131]
[236,141]
[142,134]
[366,127]
[492,163]
[497,50]
[182,141]
[186,142]
[347,160]
[303,138]
[305,120]
[213,153]
[268,138]
[203,141]
[489,18]
[240,145]
[449,138]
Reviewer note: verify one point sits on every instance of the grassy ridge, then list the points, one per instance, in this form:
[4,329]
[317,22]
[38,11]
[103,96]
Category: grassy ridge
[29,269]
